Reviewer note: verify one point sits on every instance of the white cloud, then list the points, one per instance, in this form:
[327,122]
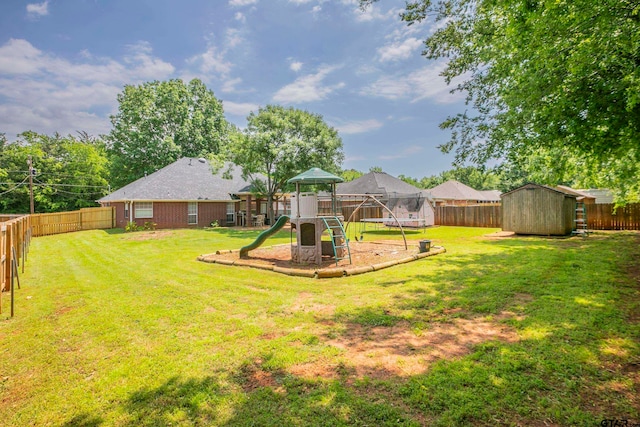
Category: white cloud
[407,152]
[398,50]
[295,65]
[359,126]
[239,3]
[239,16]
[46,93]
[233,38]
[35,10]
[374,13]
[211,61]
[229,86]
[316,9]
[307,88]
[19,57]
[239,108]
[299,1]
[425,83]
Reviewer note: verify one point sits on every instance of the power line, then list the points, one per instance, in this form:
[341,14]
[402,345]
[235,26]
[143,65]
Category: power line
[11,189]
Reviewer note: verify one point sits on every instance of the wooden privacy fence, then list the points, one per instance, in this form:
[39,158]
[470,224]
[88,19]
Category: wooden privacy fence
[607,217]
[65,222]
[599,216]
[469,216]
[15,236]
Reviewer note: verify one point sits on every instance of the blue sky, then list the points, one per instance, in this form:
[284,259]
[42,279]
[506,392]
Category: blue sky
[63,62]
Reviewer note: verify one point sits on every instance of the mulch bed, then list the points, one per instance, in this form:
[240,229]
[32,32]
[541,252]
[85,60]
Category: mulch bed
[365,257]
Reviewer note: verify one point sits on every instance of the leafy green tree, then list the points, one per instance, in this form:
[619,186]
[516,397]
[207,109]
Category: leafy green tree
[410,180]
[280,143]
[477,177]
[377,169]
[70,172]
[160,122]
[564,166]
[541,75]
[351,174]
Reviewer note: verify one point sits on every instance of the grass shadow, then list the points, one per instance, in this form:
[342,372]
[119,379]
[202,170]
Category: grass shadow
[575,359]
[83,420]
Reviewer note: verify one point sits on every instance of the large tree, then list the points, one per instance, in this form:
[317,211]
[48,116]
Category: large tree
[478,177]
[70,172]
[542,75]
[280,143]
[160,122]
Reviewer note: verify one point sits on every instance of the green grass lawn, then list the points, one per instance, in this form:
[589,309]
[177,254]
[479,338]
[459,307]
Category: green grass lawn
[115,329]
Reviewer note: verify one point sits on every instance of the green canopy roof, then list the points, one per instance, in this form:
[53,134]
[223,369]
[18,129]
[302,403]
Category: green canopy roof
[315,176]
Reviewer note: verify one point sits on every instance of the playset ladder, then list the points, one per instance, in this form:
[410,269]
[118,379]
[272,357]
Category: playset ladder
[334,225]
[580,220]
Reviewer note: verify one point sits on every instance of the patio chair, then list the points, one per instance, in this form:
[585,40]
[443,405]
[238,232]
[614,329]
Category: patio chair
[258,221]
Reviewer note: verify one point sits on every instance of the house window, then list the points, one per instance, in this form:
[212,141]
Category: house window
[192,217]
[126,210]
[231,213]
[144,209]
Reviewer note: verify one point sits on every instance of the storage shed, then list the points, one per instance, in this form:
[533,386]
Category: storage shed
[539,210]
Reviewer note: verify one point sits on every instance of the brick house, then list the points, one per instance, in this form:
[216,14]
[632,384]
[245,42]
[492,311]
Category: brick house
[186,193]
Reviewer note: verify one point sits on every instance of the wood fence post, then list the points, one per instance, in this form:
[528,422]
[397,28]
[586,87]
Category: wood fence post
[7,258]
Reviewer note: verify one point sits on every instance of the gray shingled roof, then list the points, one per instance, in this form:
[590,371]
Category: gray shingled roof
[455,190]
[491,195]
[187,179]
[579,194]
[376,183]
[602,195]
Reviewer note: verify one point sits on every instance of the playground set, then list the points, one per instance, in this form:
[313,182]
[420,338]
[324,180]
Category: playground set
[319,245]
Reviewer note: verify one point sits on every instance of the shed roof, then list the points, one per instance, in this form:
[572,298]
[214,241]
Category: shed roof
[377,183]
[533,184]
[188,179]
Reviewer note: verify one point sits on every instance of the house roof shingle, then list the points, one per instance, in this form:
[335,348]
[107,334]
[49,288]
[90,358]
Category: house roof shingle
[376,183]
[455,190]
[187,179]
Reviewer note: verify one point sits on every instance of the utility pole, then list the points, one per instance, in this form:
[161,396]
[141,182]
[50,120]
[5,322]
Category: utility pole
[30,163]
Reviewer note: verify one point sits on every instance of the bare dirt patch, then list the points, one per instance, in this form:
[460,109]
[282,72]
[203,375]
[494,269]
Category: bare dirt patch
[397,351]
[254,377]
[149,235]
[305,304]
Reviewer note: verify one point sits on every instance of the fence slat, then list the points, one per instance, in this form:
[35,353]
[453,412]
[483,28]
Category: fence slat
[599,216]
[469,216]
[66,222]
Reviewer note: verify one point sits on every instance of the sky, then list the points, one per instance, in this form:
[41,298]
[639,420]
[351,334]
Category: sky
[63,63]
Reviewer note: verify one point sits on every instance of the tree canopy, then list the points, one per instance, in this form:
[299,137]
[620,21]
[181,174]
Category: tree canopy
[541,75]
[160,122]
[478,177]
[70,172]
[280,143]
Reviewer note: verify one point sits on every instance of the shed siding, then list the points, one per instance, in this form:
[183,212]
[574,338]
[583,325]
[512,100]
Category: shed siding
[533,209]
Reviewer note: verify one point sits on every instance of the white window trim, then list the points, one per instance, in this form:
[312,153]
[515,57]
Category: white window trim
[143,213]
[190,215]
[231,212]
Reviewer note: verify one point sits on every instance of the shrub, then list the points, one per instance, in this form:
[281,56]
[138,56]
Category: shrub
[131,226]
